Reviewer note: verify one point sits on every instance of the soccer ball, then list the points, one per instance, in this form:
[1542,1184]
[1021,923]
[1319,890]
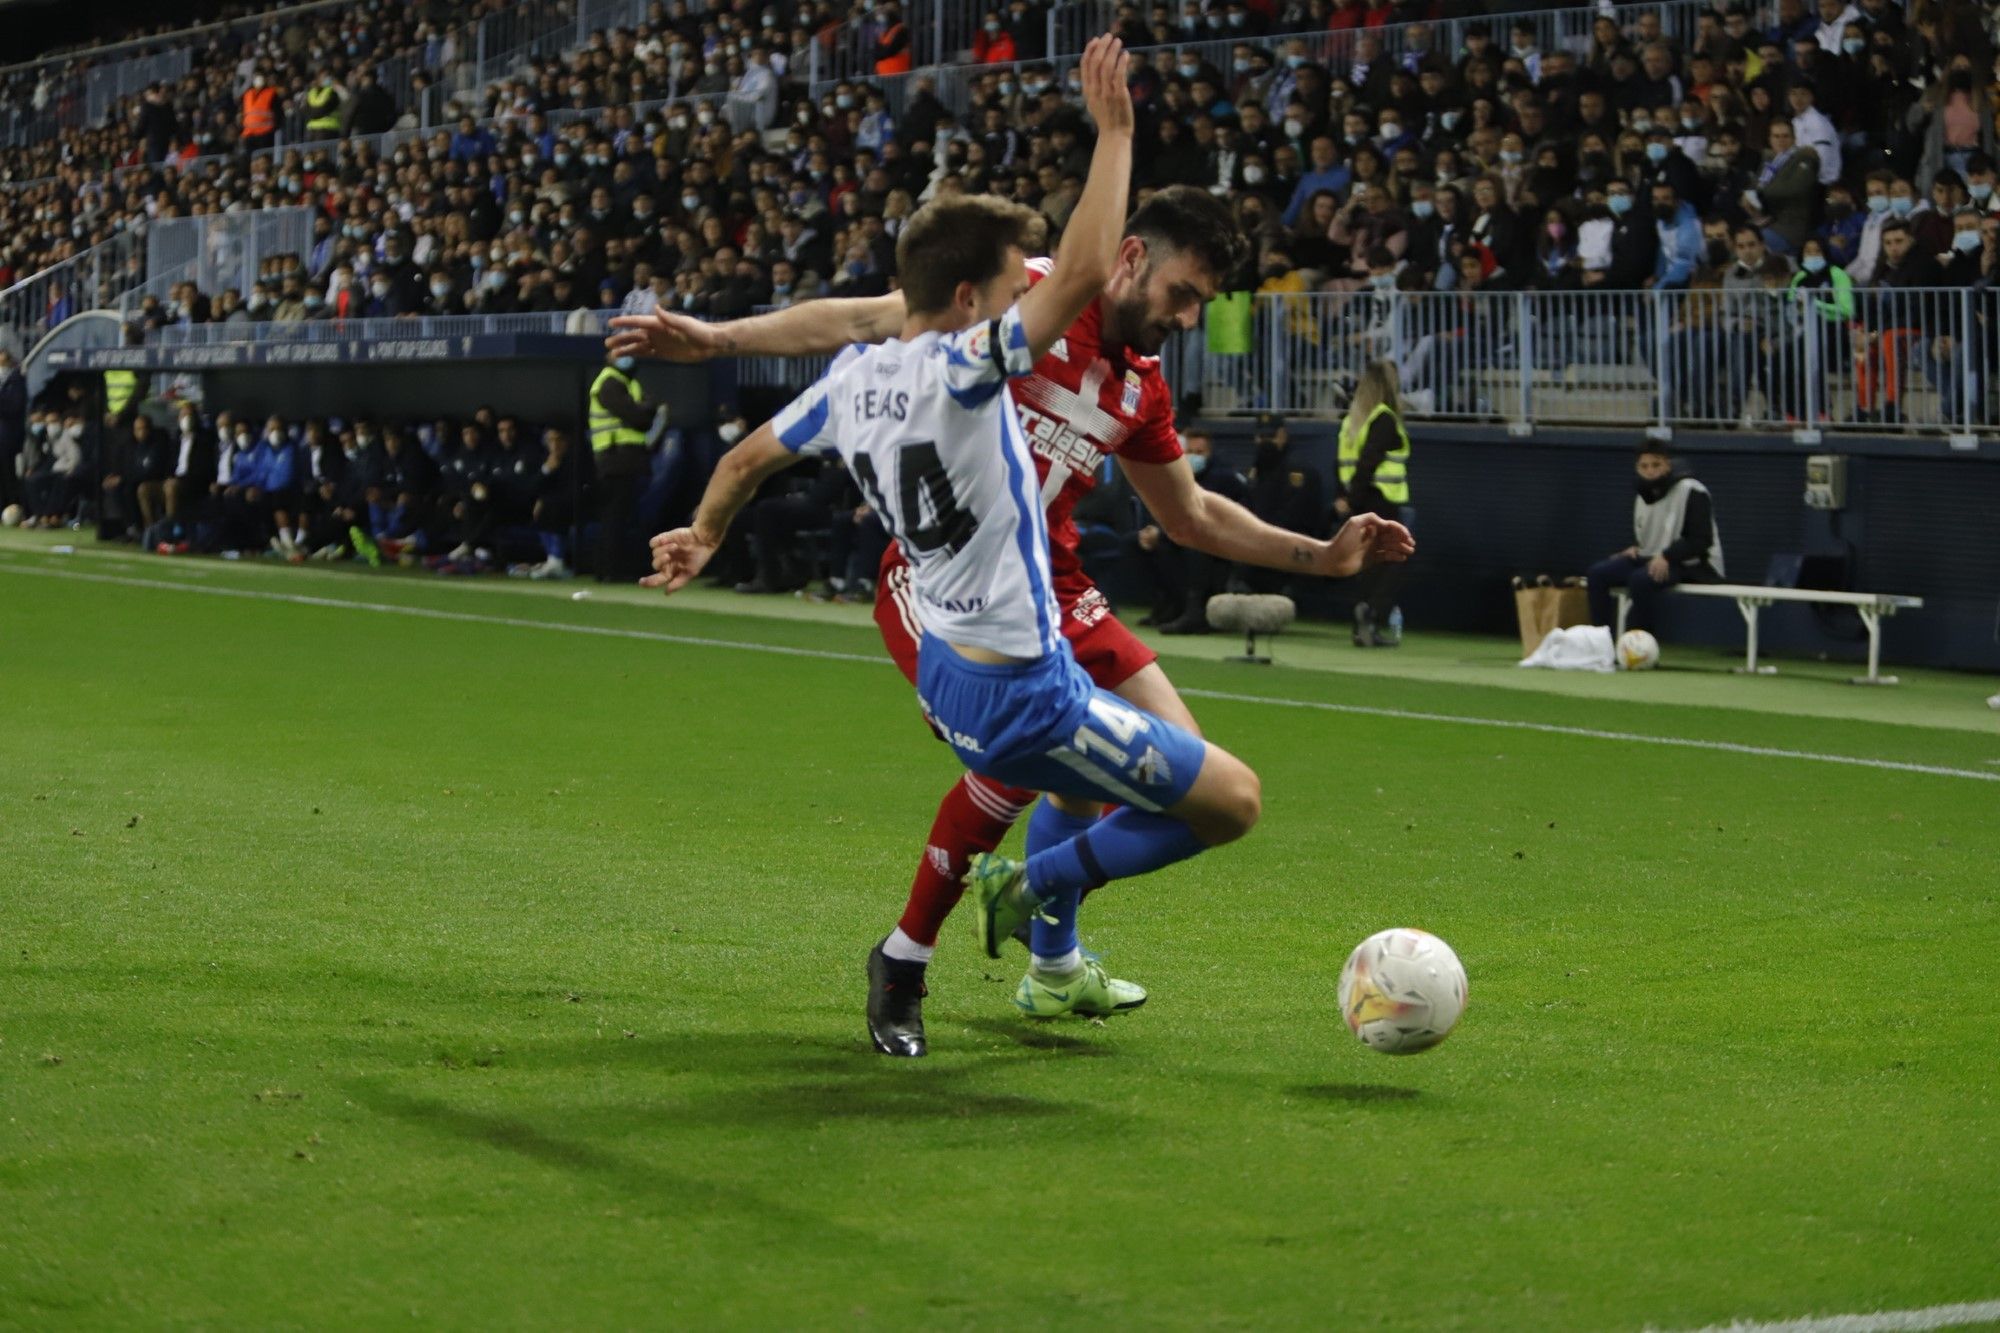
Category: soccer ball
[13,516]
[1402,990]
[1638,650]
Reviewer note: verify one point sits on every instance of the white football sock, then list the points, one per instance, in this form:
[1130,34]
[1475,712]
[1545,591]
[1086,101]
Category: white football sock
[1061,965]
[906,950]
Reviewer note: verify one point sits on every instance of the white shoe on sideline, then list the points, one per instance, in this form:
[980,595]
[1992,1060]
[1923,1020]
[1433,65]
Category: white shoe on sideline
[462,551]
[551,568]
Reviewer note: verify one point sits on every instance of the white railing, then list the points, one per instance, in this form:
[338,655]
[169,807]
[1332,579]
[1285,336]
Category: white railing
[91,280]
[1788,360]
[582,323]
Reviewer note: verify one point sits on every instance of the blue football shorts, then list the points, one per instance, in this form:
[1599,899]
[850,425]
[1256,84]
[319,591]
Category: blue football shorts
[1044,725]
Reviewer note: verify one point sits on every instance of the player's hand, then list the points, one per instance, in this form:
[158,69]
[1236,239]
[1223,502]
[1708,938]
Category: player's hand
[677,557]
[1106,90]
[665,336]
[1149,538]
[1658,569]
[1364,541]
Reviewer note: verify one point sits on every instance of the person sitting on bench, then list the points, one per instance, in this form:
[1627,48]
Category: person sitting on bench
[1673,519]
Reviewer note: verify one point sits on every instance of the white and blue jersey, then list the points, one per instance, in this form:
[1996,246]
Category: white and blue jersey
[928,429]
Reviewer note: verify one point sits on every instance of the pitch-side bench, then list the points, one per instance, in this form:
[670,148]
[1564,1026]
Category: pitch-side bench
[1751,599]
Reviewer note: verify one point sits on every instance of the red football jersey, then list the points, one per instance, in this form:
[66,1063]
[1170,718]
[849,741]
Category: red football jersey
[1082,403]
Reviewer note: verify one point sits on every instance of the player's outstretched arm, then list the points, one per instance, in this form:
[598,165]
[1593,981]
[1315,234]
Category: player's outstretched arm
[680,555]
[1089,249]
[810,328]
[1218,526]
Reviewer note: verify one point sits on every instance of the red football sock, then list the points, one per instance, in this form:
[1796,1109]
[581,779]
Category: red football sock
[973,817]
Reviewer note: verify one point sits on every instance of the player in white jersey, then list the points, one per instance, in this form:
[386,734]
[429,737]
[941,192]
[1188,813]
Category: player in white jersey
[927,426]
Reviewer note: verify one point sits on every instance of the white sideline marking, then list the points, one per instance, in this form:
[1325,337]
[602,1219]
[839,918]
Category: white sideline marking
[831,655]
[1886,1321]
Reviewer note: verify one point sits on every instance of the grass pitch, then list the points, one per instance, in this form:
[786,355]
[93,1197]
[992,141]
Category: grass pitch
[365,968]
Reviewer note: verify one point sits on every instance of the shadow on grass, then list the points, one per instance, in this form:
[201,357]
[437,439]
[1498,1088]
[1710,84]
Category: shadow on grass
[628,1174]
[1354,1092]
[1039,1036]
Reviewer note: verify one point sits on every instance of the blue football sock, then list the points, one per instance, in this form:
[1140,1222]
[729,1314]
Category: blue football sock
[1127,843]
[552,544]
[1052,933]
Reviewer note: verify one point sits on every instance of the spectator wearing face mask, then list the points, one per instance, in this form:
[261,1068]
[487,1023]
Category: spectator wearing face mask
[51,463]
[1634,248]
[271,493]
[994,44]
[261,109]
[192,472]
[383,301]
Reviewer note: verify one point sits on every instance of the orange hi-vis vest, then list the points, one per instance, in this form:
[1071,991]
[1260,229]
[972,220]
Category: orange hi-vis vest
[260,111]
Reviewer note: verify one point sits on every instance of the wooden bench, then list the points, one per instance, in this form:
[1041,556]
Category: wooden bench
[1751,599]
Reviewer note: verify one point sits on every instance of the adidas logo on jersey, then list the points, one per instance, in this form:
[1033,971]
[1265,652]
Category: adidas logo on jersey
[1061,350]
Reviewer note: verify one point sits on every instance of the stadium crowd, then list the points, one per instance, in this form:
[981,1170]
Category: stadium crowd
[460,495]
[1842,149]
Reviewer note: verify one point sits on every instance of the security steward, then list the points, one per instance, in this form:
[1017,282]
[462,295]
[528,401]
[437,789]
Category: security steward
[1374,468]
[622,461]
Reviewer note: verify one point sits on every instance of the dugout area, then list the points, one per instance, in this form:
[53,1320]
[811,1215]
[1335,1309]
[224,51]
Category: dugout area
[544,379]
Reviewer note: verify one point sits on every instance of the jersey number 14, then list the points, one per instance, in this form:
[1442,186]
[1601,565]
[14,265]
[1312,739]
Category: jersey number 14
[929,518]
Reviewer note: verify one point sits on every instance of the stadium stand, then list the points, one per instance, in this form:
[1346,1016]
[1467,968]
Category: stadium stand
[1656,215]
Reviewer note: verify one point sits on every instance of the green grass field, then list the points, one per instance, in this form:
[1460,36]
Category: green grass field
[361,968]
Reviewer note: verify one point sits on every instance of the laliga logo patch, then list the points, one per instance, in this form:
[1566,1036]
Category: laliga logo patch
[1129,405]
[977,346]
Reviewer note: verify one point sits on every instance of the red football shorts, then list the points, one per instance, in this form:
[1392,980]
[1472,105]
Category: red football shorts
[1107,650]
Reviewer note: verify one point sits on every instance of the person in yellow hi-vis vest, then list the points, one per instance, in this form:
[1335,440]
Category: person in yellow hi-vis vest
[1375,479]
[121,388]
[622,459]
[324,101]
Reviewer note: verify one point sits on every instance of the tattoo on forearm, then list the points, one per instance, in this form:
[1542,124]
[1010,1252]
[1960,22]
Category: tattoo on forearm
[1302,555]
[728,343]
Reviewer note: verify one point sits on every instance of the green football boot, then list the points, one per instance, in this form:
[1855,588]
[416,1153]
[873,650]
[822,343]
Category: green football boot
[364,546]
[1000,900]
[1088,992]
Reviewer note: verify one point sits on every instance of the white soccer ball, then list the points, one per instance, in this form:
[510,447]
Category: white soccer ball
[1402,991]
[1638,650]
[13,516]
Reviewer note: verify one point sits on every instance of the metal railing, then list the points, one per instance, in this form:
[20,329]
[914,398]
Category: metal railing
[218,251]
[325,329]
[1555,29]
[94,279]
[1778,360]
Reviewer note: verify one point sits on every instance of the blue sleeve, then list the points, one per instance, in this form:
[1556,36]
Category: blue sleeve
[805,424]
[283,470]
[1291,214]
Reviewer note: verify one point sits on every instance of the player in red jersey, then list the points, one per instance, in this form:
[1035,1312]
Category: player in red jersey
[1097,393]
